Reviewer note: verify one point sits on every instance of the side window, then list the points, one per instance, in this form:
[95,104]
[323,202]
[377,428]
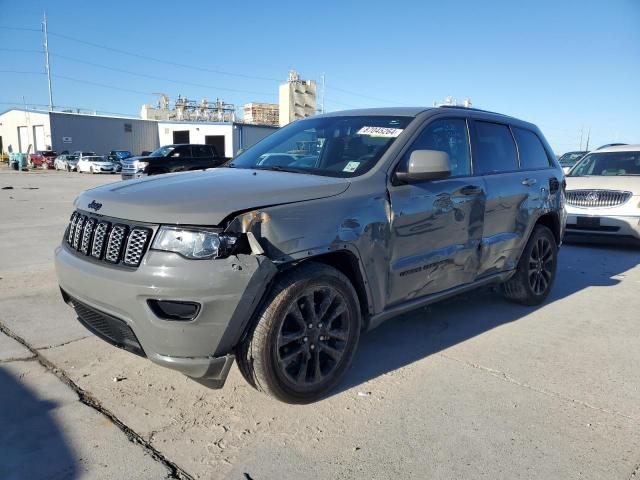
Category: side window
[213,152]
[182,151]
[200,151]
[494,150]
[532,153]
[448,136]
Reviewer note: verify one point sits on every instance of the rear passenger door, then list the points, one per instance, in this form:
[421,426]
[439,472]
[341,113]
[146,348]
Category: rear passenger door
[436,224]
[507,214]
[180,158]
[202,157]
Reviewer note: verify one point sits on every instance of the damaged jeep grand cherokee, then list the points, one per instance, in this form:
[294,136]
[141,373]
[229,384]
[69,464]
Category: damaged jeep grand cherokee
[319,232]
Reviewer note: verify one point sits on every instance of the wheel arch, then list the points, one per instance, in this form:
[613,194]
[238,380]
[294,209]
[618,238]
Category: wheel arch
[552,222]
[347,263]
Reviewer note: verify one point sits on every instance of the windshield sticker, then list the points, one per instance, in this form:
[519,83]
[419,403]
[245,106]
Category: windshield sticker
[380,132]
[351,167]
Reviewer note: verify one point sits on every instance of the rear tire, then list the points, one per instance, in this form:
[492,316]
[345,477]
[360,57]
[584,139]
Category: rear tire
[305,337]
[536,270]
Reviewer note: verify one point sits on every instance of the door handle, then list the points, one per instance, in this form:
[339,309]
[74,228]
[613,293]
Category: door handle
[470,190]
[529,182]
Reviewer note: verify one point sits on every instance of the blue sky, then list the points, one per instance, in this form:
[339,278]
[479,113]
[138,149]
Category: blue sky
[564,65]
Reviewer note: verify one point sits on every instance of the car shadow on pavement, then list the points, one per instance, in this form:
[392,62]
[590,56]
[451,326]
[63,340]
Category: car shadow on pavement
[32,444]
[410,337]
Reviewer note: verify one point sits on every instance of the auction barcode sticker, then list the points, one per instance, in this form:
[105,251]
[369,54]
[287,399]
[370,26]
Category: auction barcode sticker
[380,131]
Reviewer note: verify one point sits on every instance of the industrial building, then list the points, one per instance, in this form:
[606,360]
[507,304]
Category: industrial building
[27,131]
[261,113]
[297,99]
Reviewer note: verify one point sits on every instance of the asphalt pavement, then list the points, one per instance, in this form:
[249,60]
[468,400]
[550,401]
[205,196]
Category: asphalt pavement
[471,388]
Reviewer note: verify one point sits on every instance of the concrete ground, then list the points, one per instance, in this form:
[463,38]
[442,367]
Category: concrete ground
[471,388]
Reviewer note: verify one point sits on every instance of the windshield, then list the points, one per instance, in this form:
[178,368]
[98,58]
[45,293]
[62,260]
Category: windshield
[569,159]
[609,163]
[338,146]
[87,154]
[122,154]
[95,158]
[162,151]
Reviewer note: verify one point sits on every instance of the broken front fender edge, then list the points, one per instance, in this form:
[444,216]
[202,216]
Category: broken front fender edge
[210,371]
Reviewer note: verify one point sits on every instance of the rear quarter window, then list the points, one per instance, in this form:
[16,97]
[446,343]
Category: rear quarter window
[532,153]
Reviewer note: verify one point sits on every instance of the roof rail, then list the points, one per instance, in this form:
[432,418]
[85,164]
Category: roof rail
[462,107]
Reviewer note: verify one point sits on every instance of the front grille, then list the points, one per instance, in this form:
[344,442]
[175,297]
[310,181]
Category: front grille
[135,246]
[596,198]
[116,242]
[110,329]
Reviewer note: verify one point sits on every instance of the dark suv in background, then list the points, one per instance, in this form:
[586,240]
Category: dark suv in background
[172,158]
[324,229]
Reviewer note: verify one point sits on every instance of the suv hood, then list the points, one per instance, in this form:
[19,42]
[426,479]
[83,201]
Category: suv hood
[206,197]
[627,183]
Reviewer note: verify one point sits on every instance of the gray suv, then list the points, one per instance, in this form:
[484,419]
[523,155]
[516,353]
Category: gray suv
[321,231]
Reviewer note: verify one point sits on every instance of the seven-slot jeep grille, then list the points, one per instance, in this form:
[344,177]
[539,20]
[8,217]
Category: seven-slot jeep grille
[114,242]
[596,198]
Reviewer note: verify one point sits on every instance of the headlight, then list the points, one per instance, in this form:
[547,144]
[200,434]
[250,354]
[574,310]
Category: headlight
[142,165]
[193,243]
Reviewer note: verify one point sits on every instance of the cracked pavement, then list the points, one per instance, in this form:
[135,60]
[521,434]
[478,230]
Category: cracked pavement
[474,387]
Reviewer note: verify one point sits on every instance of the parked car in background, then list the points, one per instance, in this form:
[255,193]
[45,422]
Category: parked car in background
[117,156]
[603,195]
[95,164]
[145,153]
[43,159]
[283,257]
[66,162]
[569,159]
[172,158]
[80,154]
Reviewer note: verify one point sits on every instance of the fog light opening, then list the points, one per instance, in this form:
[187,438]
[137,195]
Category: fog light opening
[174,309]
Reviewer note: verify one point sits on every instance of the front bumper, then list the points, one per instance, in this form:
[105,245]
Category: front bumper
[603,222]
[131,175]
[228,291]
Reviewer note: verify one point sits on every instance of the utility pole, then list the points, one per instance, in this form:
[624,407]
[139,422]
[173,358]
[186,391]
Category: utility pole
[322,94]
[46,59]
[581,130]
[588,138]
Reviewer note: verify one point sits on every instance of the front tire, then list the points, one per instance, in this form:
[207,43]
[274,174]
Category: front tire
[536,270]
[305,336]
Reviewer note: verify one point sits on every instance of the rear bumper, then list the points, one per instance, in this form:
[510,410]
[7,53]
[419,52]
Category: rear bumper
[228,291]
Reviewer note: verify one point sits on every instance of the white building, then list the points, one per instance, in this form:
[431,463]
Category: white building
[227,138]
[297,99]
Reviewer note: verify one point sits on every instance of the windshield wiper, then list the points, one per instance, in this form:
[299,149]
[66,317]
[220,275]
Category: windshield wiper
[280,168]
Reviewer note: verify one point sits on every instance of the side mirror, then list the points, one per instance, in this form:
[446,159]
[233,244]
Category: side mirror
[426,165]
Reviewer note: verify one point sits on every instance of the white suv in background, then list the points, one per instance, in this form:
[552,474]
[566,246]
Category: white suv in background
[603,194]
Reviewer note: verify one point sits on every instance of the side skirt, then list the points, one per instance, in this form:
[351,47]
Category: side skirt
[414,304]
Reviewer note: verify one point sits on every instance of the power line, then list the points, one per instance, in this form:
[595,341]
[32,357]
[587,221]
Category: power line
[87,82]
[5,27]
[21,50]
[159,60]
[22,72]
[364,96]
[68,107]
[153,77]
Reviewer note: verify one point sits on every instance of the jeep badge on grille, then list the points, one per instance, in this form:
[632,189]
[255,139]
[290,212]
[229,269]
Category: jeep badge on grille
[94,205]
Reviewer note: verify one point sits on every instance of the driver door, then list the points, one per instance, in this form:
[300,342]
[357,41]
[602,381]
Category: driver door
[436,226]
